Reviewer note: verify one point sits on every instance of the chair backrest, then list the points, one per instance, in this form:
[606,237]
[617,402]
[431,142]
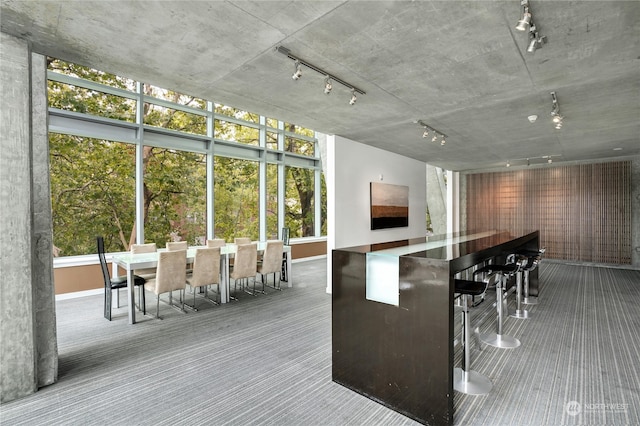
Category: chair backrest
[171,273]
[144,248]
[242,240]
[272,257]
[218,242]
[103,261]
[285,236]
[245,263]
[177,245]
[206,267]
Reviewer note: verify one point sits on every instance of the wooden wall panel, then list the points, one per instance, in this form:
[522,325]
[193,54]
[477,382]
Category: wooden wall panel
[583,212]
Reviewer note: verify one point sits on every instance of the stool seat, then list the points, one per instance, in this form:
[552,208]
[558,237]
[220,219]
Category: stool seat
[530,253]
[473,288]
[509,268]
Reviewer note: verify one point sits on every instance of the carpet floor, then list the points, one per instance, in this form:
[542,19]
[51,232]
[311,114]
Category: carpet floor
[266,360]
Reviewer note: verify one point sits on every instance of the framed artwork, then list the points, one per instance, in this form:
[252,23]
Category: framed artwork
[389,206]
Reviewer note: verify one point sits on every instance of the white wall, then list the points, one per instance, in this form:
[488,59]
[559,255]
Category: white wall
[351,167]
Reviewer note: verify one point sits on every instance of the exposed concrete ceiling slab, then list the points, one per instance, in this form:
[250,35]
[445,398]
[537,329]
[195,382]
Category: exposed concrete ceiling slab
[459,66]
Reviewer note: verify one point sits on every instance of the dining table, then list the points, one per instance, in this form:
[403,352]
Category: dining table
[130,262]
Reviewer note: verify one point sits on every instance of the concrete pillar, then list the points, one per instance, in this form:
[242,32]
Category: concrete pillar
[28,347]
[437,199]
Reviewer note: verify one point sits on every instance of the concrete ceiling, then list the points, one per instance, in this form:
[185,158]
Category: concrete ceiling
[460,67]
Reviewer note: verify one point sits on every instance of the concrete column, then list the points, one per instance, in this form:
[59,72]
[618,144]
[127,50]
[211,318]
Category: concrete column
[28,348]
[437,199]
[42,231]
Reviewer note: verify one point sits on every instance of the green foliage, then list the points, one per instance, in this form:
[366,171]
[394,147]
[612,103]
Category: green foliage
[236,198]
[92,193]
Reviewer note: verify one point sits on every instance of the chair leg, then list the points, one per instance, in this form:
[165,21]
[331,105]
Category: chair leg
[466,380]
[192,307]
[206,295]
[520,312]
[176,307]
[107,303]
[144,302]
[158,307]
[498,339]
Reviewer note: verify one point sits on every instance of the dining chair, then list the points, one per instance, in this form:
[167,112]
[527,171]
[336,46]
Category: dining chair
[206,272]
[180,245]
[245,265]
[242,240]
[217,242]
[116,283]
[171,275]
[177,245]
[144,248]
[285,240]
[271,263]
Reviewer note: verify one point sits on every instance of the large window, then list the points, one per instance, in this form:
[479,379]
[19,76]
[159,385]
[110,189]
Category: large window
[174,196]
[189,153]
[299,202]
[92,193]
[236,199]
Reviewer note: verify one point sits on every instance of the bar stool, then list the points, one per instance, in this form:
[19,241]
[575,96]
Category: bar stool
[534,258]
[522,261]
[503,272]
[466,380]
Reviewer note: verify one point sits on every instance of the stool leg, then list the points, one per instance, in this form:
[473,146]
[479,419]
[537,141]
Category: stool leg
[528,300]
[498,339]
[520,312]
[466,380]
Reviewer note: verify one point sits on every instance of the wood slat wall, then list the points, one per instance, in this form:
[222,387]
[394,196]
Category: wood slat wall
[583,212]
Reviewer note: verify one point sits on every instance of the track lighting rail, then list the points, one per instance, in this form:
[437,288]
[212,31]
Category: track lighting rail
[319,70]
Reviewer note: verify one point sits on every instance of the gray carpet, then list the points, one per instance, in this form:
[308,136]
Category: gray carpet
[267,360]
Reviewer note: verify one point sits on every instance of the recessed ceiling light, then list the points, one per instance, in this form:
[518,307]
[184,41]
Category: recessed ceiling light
[617,149]
[532,118]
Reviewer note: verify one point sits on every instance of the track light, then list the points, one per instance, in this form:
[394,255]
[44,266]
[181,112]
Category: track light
[354,98]
[430,130]
[529,160]
[327,86]
[329,78]
[523,24]
[556,117]
[296,75]
[535,39]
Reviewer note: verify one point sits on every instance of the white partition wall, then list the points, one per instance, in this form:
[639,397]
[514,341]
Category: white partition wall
[351,167]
